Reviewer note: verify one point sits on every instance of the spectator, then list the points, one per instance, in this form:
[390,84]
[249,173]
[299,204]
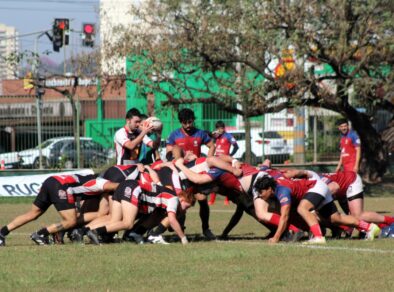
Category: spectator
[350,148]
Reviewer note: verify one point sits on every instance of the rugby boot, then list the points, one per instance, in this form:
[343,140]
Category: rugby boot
[208,234]
[315,240]
[133,237]
[76,235]
[372,232]
[93,236]
[2,240]
[39,239]
[156,239]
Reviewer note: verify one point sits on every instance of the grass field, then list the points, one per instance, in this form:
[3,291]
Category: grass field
[245,263]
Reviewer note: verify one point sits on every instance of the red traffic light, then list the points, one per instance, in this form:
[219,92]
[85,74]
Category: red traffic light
[88,28]
[61,25]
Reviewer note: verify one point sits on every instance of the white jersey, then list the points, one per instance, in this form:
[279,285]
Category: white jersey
[125,156]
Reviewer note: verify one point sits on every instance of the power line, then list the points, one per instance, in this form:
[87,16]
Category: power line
[34,33]
[55,1]
[47,9]
[23,35]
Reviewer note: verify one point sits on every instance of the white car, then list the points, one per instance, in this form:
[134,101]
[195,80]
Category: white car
[54,149]
[10,160]
[272,143]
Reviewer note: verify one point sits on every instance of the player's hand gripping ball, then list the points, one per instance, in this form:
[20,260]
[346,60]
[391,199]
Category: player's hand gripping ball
[156,123]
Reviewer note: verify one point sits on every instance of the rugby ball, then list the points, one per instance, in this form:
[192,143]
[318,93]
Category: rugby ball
[156,123]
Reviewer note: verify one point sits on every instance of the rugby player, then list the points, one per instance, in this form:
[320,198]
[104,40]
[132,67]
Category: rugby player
[134,197]
[190,139]
[307,195]
[347,188]
[240,189]
[61,191]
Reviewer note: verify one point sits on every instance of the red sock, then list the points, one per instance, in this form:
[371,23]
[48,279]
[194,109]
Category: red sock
[382,225]
[226,201]
[316,231]
[346,228]
[293,228]
[388,220]
[212,198]
[363,226]
[275,218]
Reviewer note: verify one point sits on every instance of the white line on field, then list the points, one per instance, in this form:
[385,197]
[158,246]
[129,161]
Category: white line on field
[355,249]
[264,243]
[212,211]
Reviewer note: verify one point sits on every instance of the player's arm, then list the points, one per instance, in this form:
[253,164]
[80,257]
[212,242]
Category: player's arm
[299,173]
[339,163]
[261,209]
[170,143]
[153,174]
[234,149]
[131,144]
[155,144]
[211,147]
[358,157]
[283,222]
[191,175]
[234,162]
[222,164]
[176,226]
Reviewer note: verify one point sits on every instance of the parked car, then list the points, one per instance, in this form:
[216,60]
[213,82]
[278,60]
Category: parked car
[10,159]
[61,152]
[275,147]
[92,154]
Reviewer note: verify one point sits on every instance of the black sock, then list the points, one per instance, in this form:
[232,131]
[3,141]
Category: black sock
[43,232]
[204,214]
[80,221]
[101,230]
[4,231]
[139,230]
[85,229]
[160,229]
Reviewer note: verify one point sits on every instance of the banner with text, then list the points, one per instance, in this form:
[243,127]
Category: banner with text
[29,185]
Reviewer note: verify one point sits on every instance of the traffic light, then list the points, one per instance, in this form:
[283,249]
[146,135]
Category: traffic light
[88,33]
[60,33]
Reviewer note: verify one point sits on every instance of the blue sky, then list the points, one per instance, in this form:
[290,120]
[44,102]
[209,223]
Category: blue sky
[30,16]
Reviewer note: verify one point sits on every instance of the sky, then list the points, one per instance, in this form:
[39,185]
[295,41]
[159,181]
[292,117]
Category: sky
[29,16]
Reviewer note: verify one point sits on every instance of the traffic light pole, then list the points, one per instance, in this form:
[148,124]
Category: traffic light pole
[38,98]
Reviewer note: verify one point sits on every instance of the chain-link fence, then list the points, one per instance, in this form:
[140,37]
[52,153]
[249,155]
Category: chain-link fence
[277,136]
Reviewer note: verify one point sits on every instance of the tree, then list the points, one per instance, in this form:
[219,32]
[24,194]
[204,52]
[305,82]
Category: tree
[232,47]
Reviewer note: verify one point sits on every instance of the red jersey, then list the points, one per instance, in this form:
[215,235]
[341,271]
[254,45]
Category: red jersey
[223,144]
[298,187]
[189,141]
[343,178]
[230,181]
[349,143]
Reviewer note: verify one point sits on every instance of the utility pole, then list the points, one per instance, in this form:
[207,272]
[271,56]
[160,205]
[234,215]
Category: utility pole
[38,97]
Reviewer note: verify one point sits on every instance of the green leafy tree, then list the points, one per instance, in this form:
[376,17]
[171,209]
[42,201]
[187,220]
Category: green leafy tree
[232,48]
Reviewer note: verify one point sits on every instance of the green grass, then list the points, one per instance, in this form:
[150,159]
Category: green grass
[248,264]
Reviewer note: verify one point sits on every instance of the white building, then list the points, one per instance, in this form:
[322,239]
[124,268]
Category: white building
[9,44]
[112,15]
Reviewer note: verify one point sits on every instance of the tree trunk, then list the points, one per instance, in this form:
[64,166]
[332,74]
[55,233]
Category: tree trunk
[374,156]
